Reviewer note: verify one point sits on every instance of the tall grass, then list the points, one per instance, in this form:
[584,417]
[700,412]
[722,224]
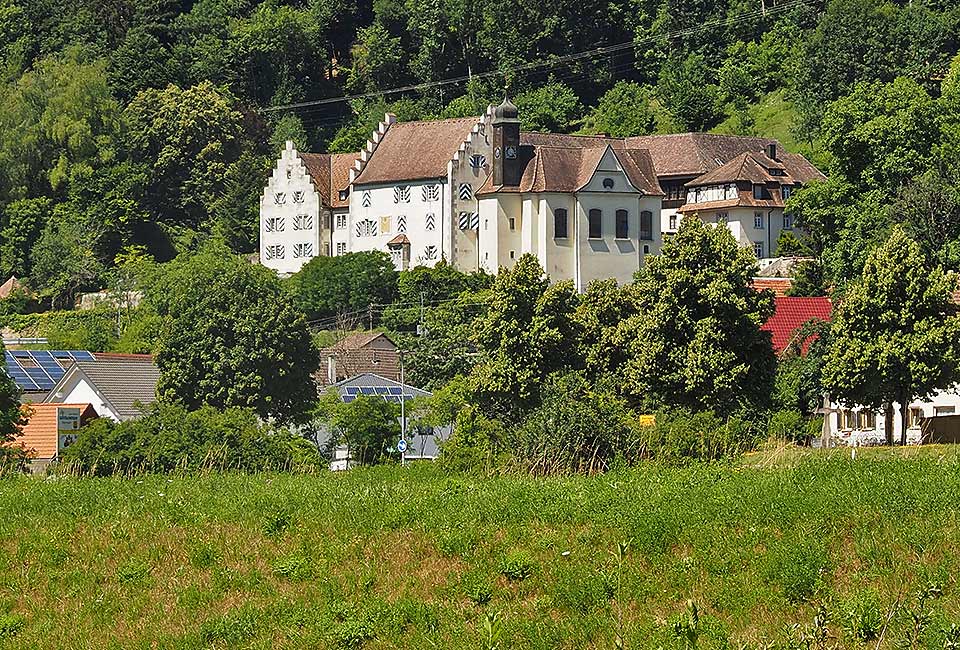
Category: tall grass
[815,551]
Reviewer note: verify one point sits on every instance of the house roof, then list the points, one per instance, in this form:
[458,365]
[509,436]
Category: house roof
[360,340]
[416,150]
[40,432]
[122,383]
[330,173]
[567,163]
[371,380]
[779,286]
[693,154]
[755,167]
[12,284]
[790,314]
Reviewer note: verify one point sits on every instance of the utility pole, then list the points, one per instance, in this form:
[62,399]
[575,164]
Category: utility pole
[370,317]
[421,328]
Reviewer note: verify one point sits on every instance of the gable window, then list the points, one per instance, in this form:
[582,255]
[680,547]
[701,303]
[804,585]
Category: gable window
[761,192]
[477,161]
[465,192]
[303,222]
[274,252]
[758,220]
[280,198]
[273,224]
[594,224]
[560,223]
[608,183]
[401,194]
[758,249]
[673,222]
[303,250]
[646,225]
[623,224]
[430,193]
[787,222]
[298,197]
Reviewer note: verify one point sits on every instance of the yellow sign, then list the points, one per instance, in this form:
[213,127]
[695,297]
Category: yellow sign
[647,420]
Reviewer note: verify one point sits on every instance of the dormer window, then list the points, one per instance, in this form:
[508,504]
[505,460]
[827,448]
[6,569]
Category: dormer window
[608,183]
[786,191]
[776,171]
[343,194]
[761,192]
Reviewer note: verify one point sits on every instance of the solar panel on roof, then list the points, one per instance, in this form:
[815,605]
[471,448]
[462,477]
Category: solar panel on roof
[395,390]
[348,398]
[82,355]
[368,390]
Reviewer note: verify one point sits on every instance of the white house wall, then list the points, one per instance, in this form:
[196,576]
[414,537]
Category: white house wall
[289,201]
[78,391]
[946,402]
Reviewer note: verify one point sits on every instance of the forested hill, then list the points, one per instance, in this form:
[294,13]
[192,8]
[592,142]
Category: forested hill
[128,123]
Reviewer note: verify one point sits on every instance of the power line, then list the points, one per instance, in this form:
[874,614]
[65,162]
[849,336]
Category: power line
[535,65]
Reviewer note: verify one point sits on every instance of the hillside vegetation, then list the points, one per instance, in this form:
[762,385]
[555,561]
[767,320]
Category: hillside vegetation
[809,551]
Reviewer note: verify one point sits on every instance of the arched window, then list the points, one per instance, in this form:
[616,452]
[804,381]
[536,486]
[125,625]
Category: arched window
[646,225]
[623,224]
[594,227]
[560,223]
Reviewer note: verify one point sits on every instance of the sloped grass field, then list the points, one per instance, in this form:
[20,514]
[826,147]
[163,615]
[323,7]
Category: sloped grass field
[801,551]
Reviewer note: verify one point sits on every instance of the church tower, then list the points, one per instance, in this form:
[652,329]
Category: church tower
[506,145]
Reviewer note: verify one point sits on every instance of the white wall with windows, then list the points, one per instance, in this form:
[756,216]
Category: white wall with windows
[755,228]
[290,216]
[867,426]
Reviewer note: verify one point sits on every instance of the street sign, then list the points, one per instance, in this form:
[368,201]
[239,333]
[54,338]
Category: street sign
[402,446]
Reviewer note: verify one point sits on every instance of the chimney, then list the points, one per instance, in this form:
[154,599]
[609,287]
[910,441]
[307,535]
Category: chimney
[772,151]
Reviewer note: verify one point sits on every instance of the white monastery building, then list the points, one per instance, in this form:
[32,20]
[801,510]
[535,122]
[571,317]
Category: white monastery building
[479,193]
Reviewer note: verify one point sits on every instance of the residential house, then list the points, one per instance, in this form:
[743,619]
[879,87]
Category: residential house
[118,386]
[51,428]
[305,199]
[12,285]
[747,195]
[422,442]
[37,371]
[358,354]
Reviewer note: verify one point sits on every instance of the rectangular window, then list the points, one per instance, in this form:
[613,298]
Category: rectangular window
[786,191]
[646,225]
[944,410]
[298,197]
[513,254]
[623,224]
[868,420]
[341,221]
[303,222]
[341,248]
[513,223]
[560,223]
[401,194]
[303,250]
[758,220]
[430,193]
[758,250]
[914,418]
[274,252]
[273,224]
[673,222]
[788,222]
[594,225]
[761,192]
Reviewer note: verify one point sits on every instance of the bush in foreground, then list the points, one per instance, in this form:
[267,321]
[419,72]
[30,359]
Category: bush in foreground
[169,437]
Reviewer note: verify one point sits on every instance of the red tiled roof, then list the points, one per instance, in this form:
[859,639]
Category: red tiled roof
[779,286]
[791,313]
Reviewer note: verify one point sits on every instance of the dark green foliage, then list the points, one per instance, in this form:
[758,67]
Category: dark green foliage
[232,337]
[171,438]
[11,422]
[680,434]
[344,286]
[368,425]
[685,89]
[553,108]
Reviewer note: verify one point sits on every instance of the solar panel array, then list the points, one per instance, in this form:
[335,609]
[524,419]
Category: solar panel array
[40,370]
[389,393]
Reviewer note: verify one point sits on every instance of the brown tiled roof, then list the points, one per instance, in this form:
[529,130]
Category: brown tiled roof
[746,200]
[416,150]
[399,240]
[12,284]
[340,164]
[330,173]
[567,163]
[39,434]
[754,166]
[318,166]
[779,286]
[359,340]
[693,154]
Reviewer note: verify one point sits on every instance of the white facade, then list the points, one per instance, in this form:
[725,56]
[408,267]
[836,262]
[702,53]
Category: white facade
[514,223]
[858,425]
[755,228]
[291,216]
[75,389]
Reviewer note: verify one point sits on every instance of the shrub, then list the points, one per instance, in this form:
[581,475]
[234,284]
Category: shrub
[683,434]
[517,566]
[788,424]
[169,437]
[798,569]
[10,625]
[862,616]
[477,587]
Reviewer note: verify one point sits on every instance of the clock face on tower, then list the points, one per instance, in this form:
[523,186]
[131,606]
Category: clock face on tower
[511,152]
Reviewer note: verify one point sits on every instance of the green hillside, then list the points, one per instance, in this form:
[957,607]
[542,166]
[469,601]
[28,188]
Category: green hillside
[715,556]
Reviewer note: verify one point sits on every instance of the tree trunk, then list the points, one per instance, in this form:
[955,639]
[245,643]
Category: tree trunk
[888,422]
[904,412]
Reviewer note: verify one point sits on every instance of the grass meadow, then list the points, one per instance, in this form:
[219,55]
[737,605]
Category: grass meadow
[789,550]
